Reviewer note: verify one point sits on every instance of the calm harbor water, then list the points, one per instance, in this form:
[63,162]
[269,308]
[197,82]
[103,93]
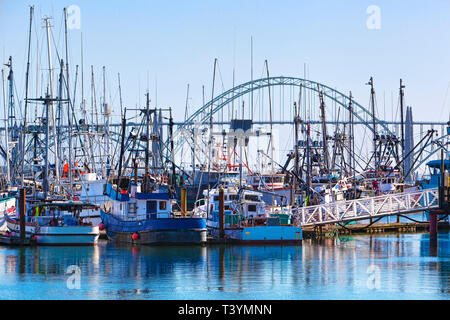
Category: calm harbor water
[395,266]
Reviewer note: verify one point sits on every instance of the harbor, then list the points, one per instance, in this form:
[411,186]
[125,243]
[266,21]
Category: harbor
[330,269]
[293,186]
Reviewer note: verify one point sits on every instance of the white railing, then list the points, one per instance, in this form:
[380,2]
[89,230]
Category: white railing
[366,208]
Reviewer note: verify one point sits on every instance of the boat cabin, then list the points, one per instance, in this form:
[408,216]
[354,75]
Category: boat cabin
[136,205]
[267,181]
[434,170]
[56,214]
[238,206]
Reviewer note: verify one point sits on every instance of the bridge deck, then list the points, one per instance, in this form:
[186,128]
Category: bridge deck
[366,208]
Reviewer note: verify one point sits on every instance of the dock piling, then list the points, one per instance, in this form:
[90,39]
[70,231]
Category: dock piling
[434,223]
[183,201]
[22,209]
[221,213]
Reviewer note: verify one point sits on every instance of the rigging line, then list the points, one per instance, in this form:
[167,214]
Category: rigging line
[397,109]
[445,99]
[359,229]
[55,47]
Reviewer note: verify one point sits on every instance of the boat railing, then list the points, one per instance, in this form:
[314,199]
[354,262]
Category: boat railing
[365,208]
[53,221]
[128,218]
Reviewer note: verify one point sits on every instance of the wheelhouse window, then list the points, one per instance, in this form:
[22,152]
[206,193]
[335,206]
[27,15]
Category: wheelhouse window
[151,206]
[252,208]
[251,197]
[162,205]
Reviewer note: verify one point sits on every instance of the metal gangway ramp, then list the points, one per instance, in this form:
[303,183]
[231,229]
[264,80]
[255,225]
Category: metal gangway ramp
[367,208]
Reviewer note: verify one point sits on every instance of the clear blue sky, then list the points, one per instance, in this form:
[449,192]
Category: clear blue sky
[176,42]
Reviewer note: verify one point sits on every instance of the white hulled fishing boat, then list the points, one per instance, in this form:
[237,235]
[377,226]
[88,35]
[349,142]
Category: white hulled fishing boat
[56,223]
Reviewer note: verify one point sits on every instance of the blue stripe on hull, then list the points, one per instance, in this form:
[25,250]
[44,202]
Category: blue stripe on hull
[161,237]
[263,234]
[172,224]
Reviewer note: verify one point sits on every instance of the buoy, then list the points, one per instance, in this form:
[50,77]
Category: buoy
[101,226]
[135,236]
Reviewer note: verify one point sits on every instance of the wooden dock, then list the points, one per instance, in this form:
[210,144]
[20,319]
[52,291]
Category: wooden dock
[332,230]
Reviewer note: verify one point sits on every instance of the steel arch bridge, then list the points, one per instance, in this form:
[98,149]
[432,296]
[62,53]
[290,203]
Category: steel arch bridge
[203,115]
[219,102]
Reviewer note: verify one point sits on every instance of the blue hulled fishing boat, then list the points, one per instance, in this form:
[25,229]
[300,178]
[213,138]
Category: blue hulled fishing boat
[147,217]
[141,206]
[435,174]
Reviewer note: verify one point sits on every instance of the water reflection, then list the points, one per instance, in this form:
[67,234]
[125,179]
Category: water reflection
[410,268]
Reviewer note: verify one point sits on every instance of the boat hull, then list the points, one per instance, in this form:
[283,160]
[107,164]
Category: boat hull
[62,235]
[262,234]
[156,231]
[166,237]
[7,207]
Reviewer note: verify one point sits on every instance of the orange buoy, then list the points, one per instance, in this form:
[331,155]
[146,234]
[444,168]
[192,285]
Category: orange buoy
[135,236]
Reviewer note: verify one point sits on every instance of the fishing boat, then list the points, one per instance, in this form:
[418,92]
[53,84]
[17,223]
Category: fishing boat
[56,223]
[433,179]
[196,181]
[7,207]
[247,218]
[135,217]
[141,206]
[89,187]
[274,187]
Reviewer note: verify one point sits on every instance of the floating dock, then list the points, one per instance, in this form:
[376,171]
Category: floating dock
[331,231]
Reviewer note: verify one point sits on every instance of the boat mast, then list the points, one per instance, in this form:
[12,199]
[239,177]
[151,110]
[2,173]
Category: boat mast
[374,125]
[47,25]
[59,107]
[172,155]
[47,102]
[8,160]
[352,144]
[324,131]
[251,73]
[402,125]
[147,143]
[211,133]
[107,116]
[69,115]
[11,122]
[122,151]
[24,128]
[120,95]
[308,163]
[297,157]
